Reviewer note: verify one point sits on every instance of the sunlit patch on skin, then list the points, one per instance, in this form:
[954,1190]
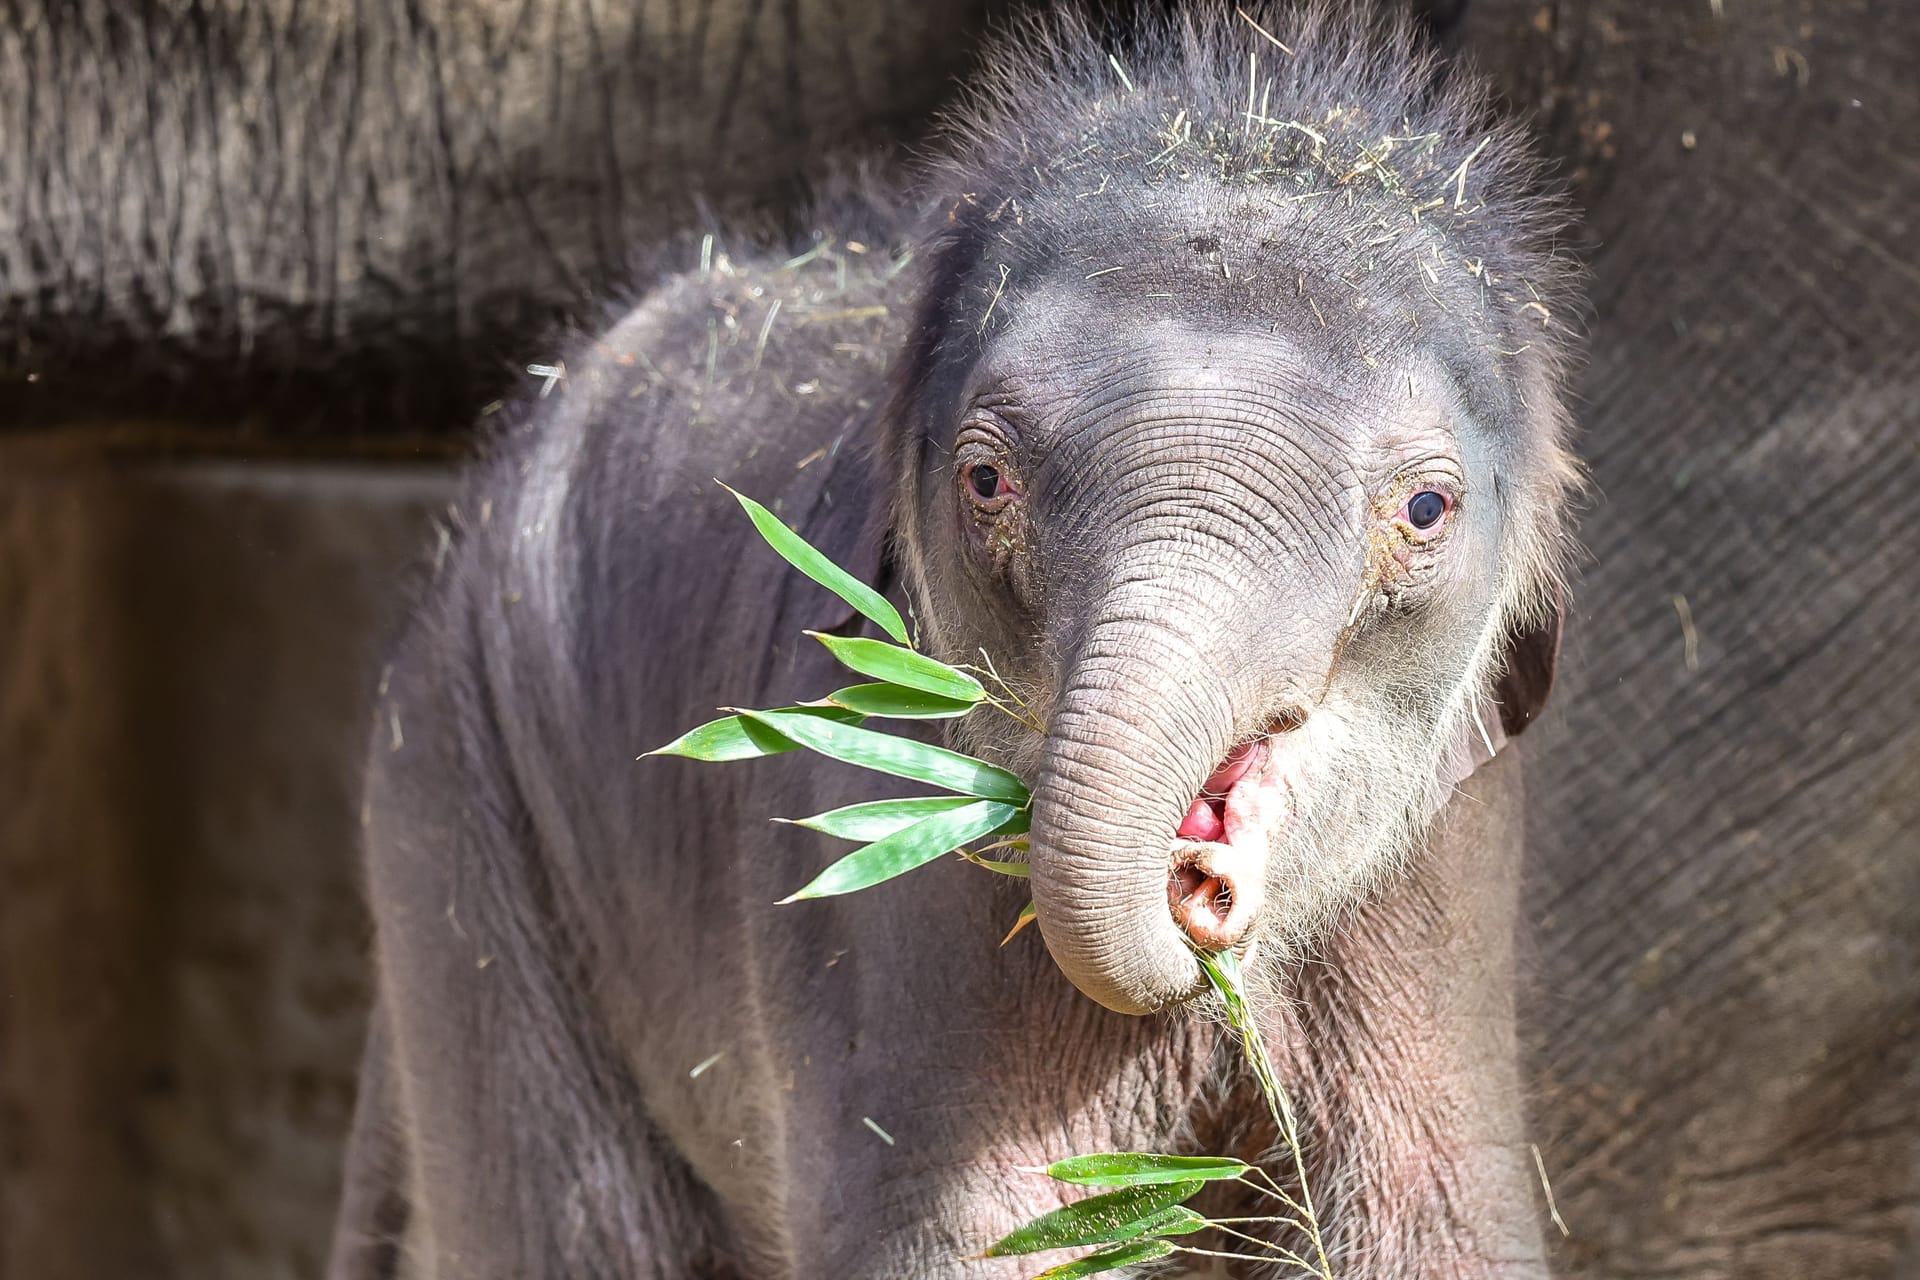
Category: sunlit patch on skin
[1294,823]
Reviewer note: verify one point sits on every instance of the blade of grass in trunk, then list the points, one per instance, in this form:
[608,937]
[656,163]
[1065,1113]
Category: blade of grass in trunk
[1017,825]
[1018,870]
[736,738]
[1223,971]
[877,819]
[1025,919]
[1142,1168]
[896,702]
[1102,1219]
[1126,1255]
[900,666]
[902,757]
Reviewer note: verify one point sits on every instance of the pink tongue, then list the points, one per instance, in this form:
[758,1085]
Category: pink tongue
[1204,820]
[1202,823]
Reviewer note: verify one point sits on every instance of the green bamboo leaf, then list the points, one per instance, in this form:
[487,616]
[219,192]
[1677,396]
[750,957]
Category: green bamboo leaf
[1018,870]
[902,757]
[802,555]
[1140,1168]
[1175,1220]
[736,738]
[905,849]
[1108,1260]
[877,819]
[1223,970]
[1018,825]
[900,666]
[897,702]
[1102,1219]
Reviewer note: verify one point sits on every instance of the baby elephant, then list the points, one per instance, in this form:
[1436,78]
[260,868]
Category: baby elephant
[1211,384]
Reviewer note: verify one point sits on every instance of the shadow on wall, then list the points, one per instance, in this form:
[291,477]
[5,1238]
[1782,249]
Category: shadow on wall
[186,655]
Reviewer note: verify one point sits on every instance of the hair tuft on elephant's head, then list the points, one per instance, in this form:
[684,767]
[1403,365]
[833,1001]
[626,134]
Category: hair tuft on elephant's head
[1232,425]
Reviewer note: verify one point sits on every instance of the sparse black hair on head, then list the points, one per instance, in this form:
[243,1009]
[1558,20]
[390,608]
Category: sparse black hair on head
[1336,118]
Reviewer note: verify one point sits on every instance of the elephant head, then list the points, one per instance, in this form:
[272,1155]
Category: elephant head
[1235,436]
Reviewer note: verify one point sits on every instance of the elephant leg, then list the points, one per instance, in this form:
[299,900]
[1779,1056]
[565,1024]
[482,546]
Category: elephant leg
[529,1149]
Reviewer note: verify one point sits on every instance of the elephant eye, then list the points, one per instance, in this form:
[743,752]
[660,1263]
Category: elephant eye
[985,482]
[1426,508]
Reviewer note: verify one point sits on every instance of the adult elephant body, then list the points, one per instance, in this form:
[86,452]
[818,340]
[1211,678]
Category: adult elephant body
[1722,983]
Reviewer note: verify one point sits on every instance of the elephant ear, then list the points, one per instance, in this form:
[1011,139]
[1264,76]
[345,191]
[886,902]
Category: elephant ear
[1531,656]
[1528,659]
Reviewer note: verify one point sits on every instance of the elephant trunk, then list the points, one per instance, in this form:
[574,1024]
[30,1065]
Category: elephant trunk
[1143,721]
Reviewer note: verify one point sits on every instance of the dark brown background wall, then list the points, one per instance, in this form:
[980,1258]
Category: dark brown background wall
[186,649]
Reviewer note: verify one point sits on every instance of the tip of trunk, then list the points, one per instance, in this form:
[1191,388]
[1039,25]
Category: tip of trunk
[1125,952]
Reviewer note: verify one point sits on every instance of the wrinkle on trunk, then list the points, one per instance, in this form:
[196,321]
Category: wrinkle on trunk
[1141,721]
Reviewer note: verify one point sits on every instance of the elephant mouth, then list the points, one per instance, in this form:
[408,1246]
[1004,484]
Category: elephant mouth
[1216,881]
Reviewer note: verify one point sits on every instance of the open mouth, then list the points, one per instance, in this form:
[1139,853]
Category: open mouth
[1220,849]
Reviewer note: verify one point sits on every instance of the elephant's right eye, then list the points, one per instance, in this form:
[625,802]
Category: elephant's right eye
[987,483]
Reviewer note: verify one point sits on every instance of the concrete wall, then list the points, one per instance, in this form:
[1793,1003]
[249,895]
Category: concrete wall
[186,653]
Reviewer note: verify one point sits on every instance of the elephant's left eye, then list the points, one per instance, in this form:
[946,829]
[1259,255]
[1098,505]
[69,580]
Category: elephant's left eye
[1425,510]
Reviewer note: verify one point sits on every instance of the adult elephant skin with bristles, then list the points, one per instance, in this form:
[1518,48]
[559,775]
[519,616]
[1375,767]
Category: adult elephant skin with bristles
[1720,996]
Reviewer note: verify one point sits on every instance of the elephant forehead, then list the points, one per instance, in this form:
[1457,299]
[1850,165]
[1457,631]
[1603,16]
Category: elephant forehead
[1180,389]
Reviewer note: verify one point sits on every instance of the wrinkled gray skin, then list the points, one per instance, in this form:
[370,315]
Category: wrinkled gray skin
[355,216]
[1212,448]
[1720,973]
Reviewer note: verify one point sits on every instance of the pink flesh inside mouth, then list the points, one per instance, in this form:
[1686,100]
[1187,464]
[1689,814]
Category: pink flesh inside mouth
[1220,854]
